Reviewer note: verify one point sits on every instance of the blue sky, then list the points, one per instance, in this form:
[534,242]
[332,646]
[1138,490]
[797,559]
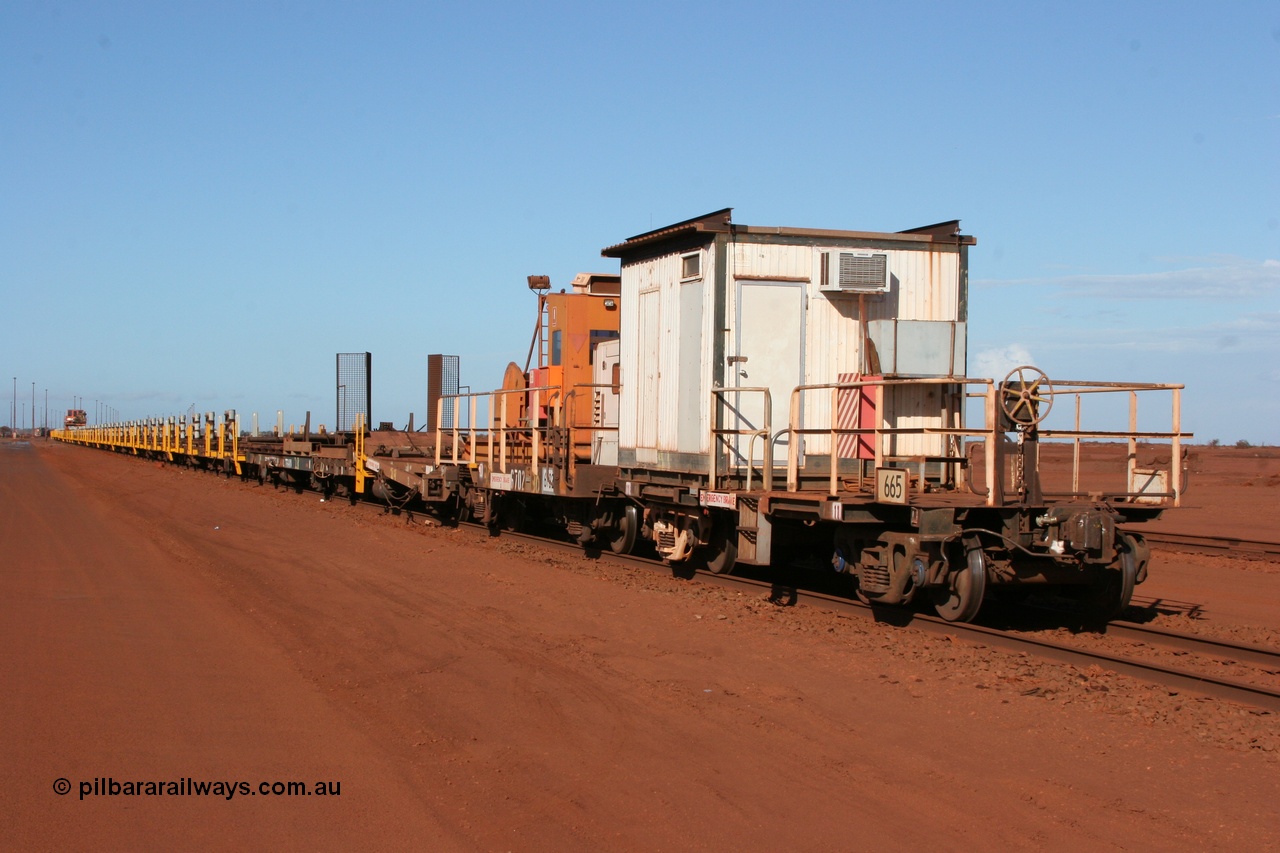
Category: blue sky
[200,203]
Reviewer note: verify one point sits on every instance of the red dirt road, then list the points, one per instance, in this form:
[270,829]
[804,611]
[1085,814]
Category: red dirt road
[161,624]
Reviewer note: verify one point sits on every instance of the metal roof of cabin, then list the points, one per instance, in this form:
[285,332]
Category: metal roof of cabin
[721,221]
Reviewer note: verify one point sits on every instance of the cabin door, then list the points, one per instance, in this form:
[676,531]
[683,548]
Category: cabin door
[768,353]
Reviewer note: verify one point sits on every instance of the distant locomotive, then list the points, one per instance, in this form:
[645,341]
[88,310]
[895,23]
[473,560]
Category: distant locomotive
[748,395]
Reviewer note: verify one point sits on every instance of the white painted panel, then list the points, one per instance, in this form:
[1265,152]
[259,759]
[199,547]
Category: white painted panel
[647,366]
[629,320]
[690,397]
[710,333]
[604,405]
[761,260]
[769,335]
[914,408]
[666,398]
[923,285]
[667,332]
[664,330]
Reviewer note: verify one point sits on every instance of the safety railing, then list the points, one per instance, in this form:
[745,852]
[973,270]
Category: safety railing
[1131,436]
[514,437]
[949,424]
[727,440]
[465,440]
[171,436]
[594,433]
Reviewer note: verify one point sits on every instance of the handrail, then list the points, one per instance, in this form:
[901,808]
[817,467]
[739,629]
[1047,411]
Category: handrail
[718,430]
[989,430]
[492,445]
[877,432]
[570,404]
[358,457]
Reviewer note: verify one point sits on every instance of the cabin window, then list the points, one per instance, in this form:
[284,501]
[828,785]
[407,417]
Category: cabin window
[691,265]
[555,347]
[599,336]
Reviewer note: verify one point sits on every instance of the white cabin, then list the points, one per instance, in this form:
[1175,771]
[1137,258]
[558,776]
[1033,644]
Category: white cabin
[710,306]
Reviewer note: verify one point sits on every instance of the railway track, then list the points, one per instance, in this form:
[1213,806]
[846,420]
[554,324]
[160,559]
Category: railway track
[1204,646]
[1177,678]
[1214,544]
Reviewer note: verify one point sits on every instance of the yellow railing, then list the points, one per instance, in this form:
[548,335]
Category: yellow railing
[219,440]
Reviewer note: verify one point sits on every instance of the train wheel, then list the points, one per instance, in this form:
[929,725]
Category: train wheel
[961,599]
[624,537]
[474,506]
[1111,595]
[724,551]
[513,513]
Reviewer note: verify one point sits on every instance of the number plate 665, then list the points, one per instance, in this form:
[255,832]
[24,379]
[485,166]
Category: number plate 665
[891,485]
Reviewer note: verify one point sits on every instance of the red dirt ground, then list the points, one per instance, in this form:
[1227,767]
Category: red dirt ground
[486,695]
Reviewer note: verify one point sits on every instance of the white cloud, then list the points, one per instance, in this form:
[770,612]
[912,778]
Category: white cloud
[1222,277]
[997,362]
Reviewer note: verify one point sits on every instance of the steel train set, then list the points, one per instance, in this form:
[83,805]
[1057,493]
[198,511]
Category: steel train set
[741,395]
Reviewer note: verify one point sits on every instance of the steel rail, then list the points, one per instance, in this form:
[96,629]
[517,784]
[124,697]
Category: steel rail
[1231,690]
[1211,646]
[1178,679]
[1213,544]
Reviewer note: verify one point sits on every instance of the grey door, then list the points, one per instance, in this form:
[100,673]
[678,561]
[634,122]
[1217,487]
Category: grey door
[769,353]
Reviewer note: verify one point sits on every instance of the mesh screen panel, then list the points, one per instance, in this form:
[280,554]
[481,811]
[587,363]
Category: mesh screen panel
[442,380]
[355,389]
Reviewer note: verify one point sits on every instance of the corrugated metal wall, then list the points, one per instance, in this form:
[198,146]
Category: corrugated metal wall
[760,260]
[656,402]
[924,285]
[655,405]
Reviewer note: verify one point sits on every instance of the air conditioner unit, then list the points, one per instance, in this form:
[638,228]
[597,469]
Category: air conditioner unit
[855,272]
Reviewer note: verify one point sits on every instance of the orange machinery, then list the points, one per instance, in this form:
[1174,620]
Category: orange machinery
[570,326]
